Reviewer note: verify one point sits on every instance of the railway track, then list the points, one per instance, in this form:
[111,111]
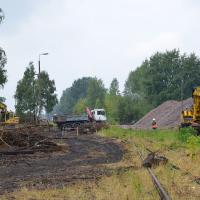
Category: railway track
[163,194]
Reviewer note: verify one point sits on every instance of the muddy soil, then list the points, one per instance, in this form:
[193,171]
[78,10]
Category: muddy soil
[85,158]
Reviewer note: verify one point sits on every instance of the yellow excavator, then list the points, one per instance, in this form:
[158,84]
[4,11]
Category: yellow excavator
[191,116]
[7,117]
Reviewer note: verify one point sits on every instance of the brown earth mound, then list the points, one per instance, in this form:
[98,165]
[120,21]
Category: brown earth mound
[167,115]
[22,140]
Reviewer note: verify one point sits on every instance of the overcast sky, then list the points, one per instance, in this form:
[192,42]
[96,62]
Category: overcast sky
[102,38]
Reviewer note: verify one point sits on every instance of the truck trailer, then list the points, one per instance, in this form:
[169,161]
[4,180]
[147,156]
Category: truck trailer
[90,118]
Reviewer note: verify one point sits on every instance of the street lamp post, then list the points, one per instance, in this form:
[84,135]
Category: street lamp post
[42,54]
[39,90]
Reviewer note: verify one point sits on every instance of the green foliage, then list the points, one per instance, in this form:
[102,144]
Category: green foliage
[131,109]
[72,95]
[114,87]
[25,92]
[193,144]
[2,99]
[98,103]
[158,135]
[186,133]
[188,136]
[32,95]
[126,110]
[3,59]
[96,93]
[84,92]
[159,78]
[80,106]
[134,85]
[90,92]
[112,107]
[173,139]
[46,87]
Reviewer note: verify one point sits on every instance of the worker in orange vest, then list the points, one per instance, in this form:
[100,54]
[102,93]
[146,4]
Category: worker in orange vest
[154,124]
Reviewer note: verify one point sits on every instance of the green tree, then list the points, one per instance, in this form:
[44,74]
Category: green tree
[134,86]
[126,112]
[3,60]
[96,93]
[80,106]
[189,75]
[2,99]
[112,107]
[98,103]
[25,92]
[33,95]
[47,96]
[160,77]
[112,102]
[72,95]
[114,87]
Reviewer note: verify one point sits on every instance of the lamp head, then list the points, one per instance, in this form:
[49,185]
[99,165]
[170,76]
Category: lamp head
[44,54]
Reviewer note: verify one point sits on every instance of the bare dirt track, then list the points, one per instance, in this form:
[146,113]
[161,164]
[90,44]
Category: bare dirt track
[85,158]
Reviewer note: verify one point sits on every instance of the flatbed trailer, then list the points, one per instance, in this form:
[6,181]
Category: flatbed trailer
[70,121]
[92,118]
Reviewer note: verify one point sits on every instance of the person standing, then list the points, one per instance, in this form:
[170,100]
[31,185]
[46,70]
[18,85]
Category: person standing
[154,124]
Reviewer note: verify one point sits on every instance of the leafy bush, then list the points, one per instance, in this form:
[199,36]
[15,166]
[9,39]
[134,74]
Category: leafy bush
[193,144]
[185,133]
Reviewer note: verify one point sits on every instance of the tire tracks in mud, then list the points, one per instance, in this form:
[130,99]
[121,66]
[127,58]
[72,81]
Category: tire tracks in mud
[82,161]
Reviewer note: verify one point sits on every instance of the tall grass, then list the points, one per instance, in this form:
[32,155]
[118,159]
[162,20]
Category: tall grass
[158,135]
[183,138]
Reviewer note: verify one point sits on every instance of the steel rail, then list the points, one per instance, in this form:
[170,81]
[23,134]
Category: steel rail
[161,190]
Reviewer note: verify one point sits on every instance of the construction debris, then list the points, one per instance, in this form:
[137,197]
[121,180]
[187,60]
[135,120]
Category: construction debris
[153,160]
[25,140]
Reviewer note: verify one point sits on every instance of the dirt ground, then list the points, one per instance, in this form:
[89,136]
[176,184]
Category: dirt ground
[85,158]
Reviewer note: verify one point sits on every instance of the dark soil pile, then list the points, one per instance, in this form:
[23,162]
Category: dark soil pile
[167,115]
[27,138]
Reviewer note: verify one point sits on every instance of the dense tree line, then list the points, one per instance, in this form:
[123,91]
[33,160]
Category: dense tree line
[163,76]
[86,91]
[92,93]
[159,78]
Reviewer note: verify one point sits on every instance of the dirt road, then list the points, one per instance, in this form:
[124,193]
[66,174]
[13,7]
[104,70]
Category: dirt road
[82,160]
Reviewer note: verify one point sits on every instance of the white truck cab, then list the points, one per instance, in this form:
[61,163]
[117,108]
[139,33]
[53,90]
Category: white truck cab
[99,115]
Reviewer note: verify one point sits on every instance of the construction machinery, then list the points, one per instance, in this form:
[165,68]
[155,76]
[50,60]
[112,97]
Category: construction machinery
[91,117]
[191,116]
[7,117]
